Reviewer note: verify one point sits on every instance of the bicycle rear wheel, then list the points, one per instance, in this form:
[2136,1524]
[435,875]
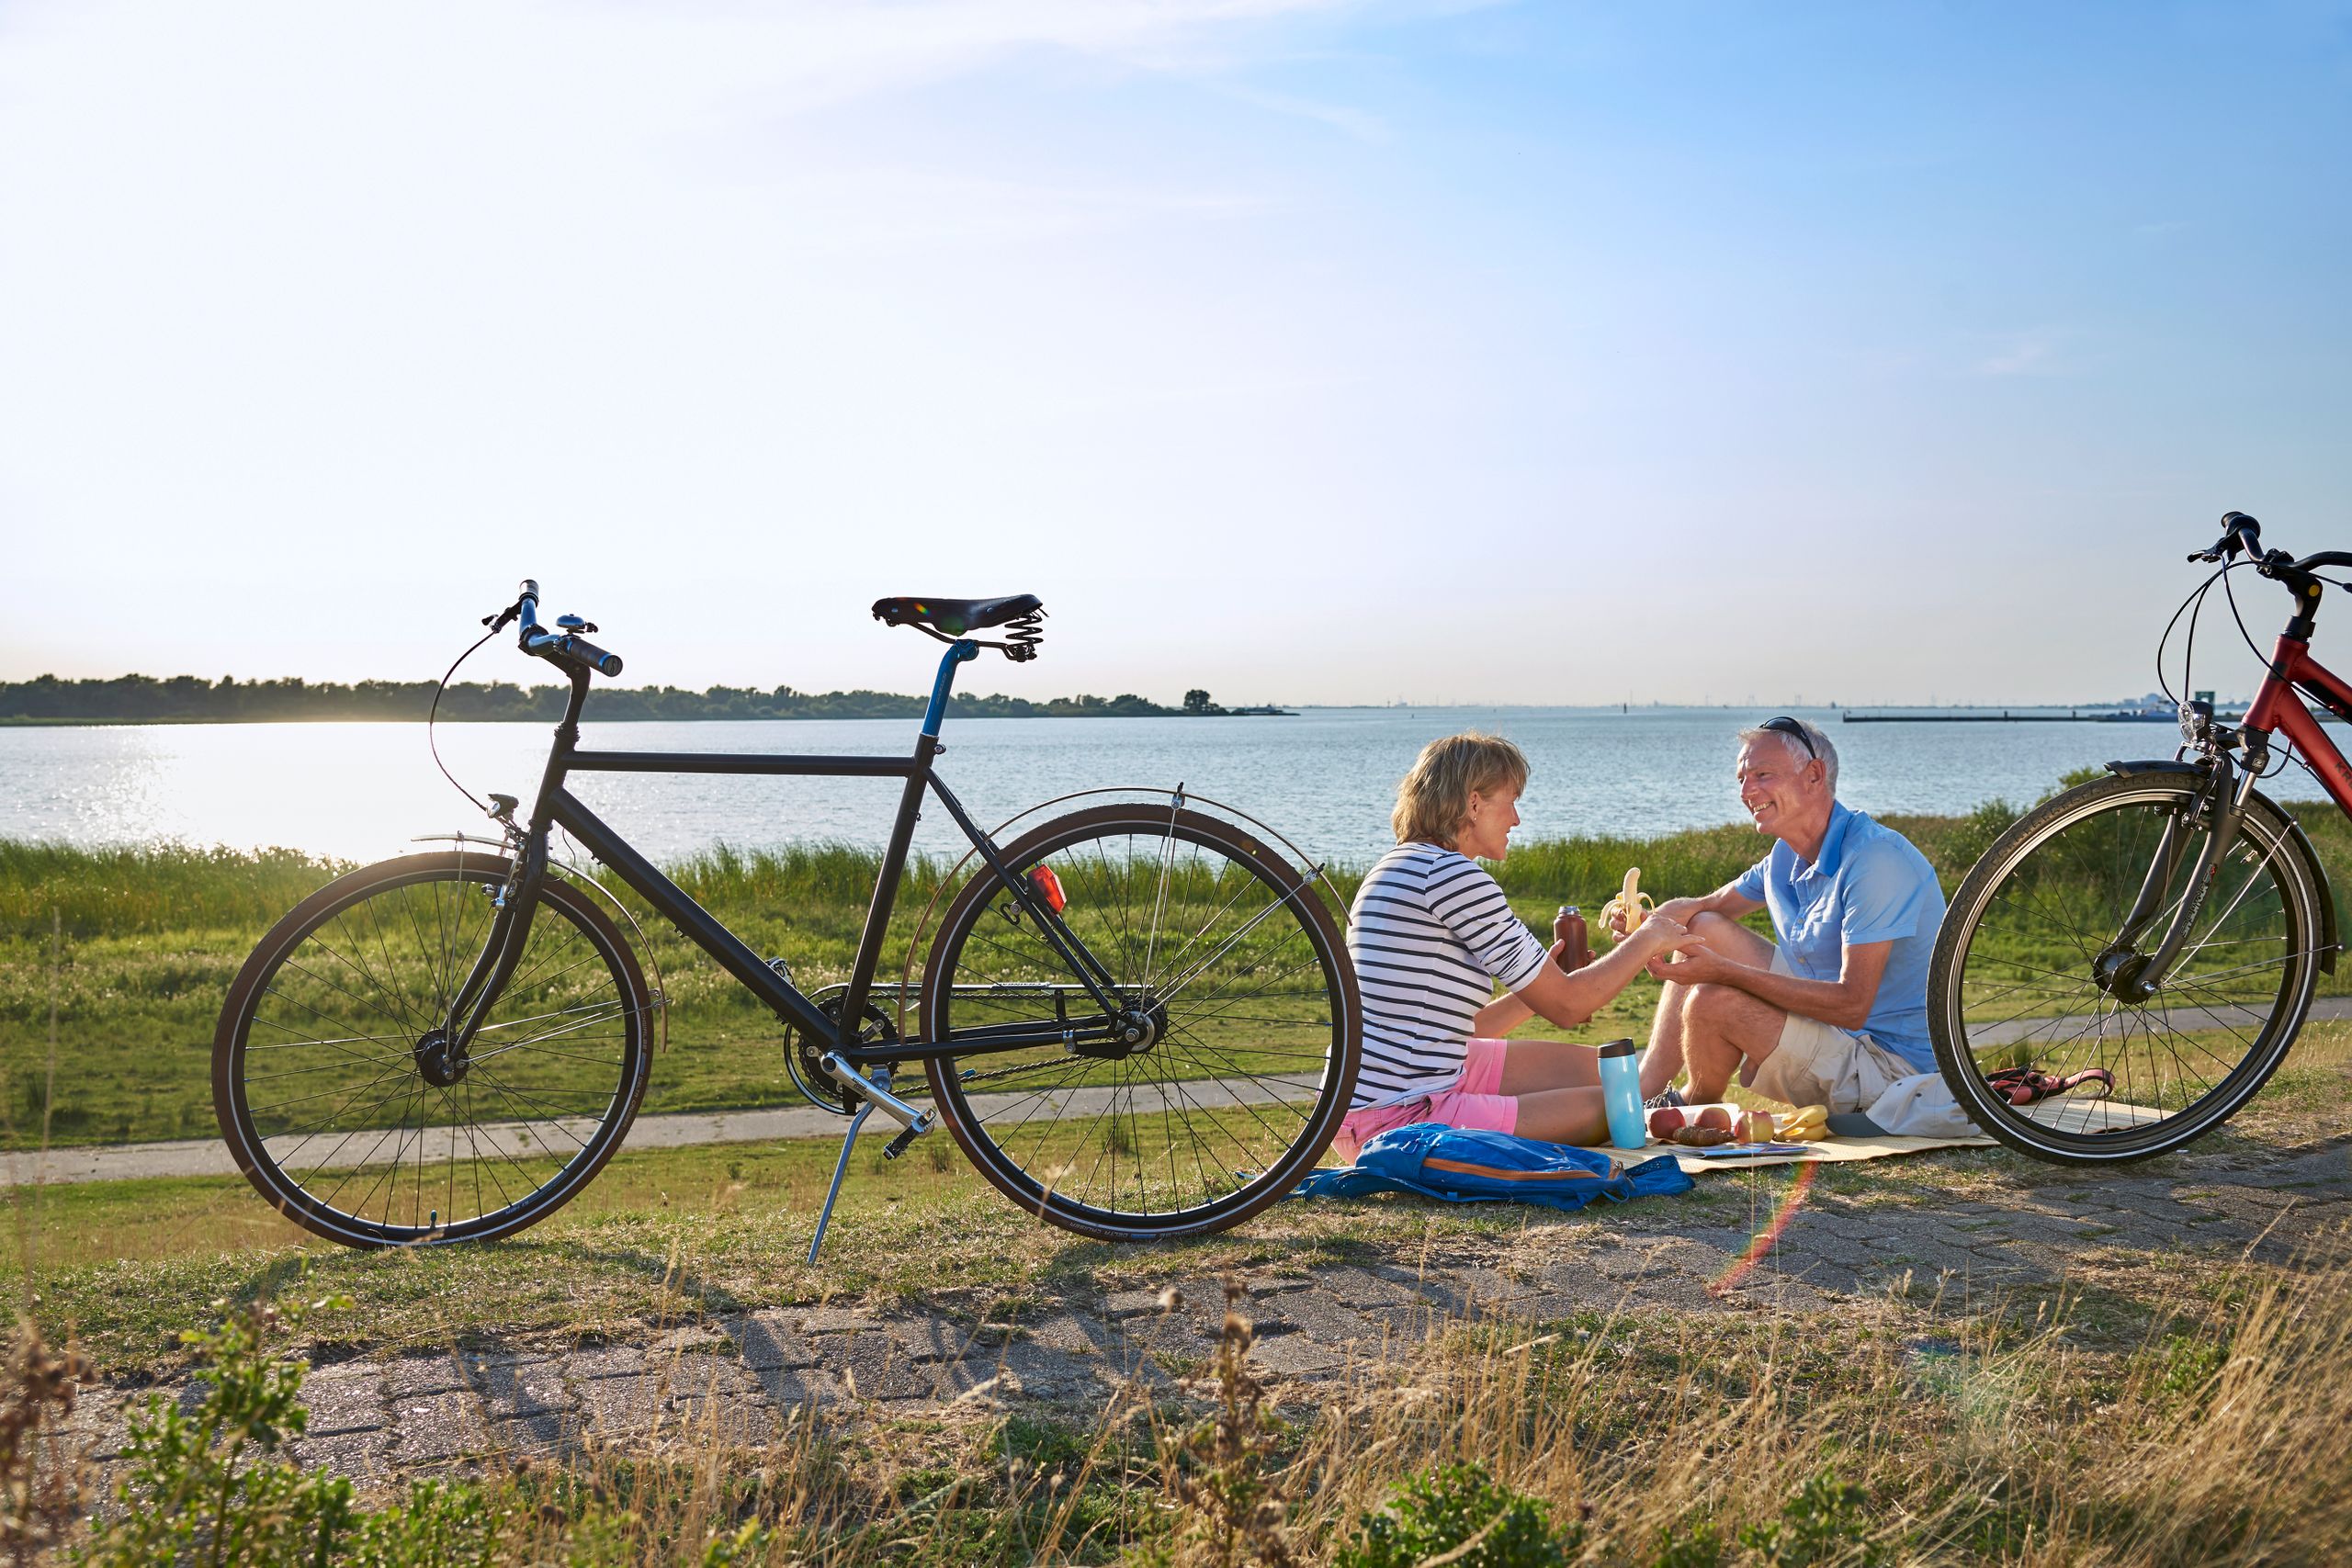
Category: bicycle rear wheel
[1253,1063]
[2013,990]
[328,1091]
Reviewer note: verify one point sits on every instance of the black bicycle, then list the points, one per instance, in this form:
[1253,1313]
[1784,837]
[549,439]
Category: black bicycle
[1138,1020]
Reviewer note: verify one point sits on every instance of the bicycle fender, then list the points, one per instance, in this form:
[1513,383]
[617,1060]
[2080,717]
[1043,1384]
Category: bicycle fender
[2329,944]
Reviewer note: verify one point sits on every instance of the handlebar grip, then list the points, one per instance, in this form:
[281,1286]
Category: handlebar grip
[588,653]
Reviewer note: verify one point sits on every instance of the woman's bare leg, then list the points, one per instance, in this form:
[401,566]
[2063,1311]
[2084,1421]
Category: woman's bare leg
[1564,1115]
[1531,1067]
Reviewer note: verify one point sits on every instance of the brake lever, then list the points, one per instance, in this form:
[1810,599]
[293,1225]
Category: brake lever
[505,617]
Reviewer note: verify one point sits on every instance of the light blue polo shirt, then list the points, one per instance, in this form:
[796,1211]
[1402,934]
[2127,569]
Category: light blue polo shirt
[1870,884]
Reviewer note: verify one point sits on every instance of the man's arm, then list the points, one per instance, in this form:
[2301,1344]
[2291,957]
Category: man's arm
[1845,1001]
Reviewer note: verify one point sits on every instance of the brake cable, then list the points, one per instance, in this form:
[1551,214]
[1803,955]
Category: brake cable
[433,713]
[2196,597]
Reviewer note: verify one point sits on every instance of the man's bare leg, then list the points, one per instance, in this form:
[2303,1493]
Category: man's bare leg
[1670,1030]
[1662,1063]
[1726,1031]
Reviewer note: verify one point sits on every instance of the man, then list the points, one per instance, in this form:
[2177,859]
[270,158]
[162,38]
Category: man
[1836,1012]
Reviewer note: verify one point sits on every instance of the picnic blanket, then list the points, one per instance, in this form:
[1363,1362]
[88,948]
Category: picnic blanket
[1832,1148]
[1853,1135]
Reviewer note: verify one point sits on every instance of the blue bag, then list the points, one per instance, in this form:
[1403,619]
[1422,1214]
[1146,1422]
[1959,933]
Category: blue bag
[1464,1165]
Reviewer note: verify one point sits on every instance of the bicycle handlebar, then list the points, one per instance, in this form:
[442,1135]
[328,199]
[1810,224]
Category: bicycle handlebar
[564,649]
[2240,532]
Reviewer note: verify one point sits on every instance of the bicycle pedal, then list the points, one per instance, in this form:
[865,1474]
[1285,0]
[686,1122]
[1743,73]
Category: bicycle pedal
[898,1145]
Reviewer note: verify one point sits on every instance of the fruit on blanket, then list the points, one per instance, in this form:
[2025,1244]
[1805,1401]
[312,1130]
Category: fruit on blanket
[1665,1121]
[1756,1127]
[1806,1124]
[1715,1117]
[1630,902]
[1700,1137]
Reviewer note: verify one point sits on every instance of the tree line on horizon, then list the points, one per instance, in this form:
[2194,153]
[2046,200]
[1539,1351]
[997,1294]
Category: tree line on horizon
[147,699]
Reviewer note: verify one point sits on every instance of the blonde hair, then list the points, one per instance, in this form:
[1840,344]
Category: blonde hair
[1434,797]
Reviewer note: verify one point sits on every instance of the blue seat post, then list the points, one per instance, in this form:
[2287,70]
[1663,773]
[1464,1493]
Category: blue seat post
[894,854]
[961,651]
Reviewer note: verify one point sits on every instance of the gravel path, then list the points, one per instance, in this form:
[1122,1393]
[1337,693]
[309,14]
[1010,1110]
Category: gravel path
[742,1378]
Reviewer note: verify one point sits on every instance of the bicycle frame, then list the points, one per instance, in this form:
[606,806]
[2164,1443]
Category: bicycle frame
[2276,710]
[557,806]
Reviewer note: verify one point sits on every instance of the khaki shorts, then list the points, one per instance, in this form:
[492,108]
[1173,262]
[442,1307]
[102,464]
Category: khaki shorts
[1819,1063]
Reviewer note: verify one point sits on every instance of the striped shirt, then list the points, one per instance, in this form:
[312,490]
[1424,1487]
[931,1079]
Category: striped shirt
[1430,933]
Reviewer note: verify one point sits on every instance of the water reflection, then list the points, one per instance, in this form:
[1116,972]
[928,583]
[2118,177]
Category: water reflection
[1326,777]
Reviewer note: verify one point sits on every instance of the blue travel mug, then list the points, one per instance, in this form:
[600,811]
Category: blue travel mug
[1621,1092]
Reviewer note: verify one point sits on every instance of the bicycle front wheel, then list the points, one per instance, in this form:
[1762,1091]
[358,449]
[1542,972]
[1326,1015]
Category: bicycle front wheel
[2042,1054]
[1254,1025]
[341,1111]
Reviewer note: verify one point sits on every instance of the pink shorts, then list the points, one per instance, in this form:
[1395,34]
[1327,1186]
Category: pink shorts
[1470,1100]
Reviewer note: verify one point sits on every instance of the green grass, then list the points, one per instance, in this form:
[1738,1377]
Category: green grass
[660,1235]
[134,948]
[666,1235]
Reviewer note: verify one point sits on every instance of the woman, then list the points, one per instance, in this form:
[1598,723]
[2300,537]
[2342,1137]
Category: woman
[1430,933]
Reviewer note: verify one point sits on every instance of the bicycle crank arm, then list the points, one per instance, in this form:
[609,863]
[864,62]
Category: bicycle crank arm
[875,1095]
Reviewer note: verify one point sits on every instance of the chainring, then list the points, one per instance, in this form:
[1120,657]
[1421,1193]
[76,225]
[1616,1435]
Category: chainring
[803,1053]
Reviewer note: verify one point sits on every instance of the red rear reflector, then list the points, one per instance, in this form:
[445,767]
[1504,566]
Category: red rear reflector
[1048,886]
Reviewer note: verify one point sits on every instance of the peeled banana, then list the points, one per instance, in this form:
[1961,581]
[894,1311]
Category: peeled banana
[1630,902]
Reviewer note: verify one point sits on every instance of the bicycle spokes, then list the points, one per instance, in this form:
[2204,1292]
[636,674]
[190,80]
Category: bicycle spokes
[1211,1069]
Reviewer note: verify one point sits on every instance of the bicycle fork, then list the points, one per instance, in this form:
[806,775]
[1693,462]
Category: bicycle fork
[441,1053]
[2122,969]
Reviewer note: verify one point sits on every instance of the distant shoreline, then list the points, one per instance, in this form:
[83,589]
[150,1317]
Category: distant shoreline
[18,721]
[48,702]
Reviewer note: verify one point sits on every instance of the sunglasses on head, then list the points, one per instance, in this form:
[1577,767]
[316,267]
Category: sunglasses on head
[1794,730]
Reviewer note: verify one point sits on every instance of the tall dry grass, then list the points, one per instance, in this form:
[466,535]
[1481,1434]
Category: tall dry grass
[1996,1444]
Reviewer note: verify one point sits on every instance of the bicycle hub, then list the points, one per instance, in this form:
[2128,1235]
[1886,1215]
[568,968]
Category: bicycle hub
[437,1063]
[1134,1031]
[2118,972]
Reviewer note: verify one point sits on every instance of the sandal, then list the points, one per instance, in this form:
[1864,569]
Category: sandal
[2025,1085]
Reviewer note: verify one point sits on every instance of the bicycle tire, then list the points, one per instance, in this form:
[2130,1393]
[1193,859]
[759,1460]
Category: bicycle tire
[2267,890]
[345,986]
[1303,1046]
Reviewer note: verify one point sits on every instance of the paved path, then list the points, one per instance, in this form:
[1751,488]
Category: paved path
[210,1156]
[744,1377]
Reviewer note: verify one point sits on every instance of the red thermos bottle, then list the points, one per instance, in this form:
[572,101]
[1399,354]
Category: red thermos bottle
[1569,929]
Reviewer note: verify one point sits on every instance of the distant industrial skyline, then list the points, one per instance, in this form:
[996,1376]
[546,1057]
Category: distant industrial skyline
[1302,350]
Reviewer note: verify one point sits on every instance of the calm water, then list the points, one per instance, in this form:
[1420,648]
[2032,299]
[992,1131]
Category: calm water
[1325,778]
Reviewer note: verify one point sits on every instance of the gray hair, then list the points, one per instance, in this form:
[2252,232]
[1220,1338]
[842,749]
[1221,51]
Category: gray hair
[1822,746]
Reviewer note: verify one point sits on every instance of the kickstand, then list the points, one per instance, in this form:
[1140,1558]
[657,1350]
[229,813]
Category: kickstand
[841,1168]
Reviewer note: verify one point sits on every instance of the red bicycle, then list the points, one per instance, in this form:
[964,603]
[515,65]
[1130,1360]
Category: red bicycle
[2131,960]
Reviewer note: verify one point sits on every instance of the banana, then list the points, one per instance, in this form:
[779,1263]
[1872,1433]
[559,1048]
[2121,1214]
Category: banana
[1806,1124]
[1630,902]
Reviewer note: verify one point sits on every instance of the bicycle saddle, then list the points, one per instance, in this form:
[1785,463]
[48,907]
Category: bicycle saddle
[955,616]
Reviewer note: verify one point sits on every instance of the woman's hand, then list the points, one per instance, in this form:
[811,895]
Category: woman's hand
[1681,911]
[1671,936]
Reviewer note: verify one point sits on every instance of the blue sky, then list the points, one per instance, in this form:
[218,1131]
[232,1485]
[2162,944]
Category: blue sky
[1316,352]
